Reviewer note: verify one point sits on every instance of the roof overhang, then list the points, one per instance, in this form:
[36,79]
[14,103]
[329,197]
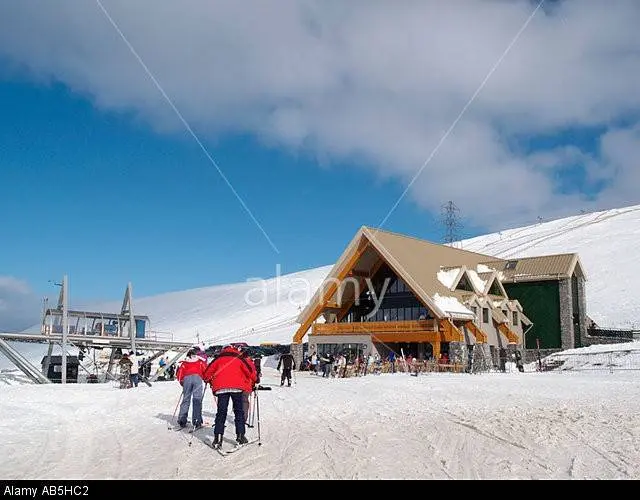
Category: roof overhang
[366,236]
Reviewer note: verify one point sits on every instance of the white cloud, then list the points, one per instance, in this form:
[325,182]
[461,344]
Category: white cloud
[374,80]
[18,305]
[621,151]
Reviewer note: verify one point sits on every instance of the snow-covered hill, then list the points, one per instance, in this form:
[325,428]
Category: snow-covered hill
[266,311]
[255,312]
[607,243]
[252,311]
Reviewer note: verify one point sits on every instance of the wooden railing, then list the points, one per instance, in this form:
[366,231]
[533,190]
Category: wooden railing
[373,327]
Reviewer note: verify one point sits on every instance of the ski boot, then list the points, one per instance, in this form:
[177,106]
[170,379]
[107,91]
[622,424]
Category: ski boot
[217,441]
[241,439]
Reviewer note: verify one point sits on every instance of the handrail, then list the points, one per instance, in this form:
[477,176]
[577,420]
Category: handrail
[375,326]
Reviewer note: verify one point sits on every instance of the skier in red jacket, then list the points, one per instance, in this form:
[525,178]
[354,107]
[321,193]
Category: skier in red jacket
[190,374]
[230,374]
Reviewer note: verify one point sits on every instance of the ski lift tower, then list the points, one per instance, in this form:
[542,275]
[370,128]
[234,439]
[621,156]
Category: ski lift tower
[63,304]
[127,310]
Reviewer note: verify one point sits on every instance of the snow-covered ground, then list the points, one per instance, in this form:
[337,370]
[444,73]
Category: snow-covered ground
[532,425]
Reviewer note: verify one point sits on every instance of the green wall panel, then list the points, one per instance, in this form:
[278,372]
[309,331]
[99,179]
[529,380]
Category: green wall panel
[541,304]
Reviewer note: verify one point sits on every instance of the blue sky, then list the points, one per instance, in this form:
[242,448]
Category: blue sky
[322,115]
[100,197]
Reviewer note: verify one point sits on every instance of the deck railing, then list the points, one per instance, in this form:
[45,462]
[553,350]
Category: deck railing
[368,327]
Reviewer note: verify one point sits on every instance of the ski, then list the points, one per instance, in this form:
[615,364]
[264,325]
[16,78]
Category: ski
[219,450]
[189,427]
[240,446]
[229,451]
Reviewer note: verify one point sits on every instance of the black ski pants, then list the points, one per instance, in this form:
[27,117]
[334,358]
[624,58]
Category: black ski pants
[238,412]
[286,373]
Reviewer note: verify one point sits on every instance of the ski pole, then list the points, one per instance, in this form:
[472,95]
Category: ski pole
[253,410]
[173,417]
[258,411]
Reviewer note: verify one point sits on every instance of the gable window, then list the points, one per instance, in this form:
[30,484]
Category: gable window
[495,289]
[485,315]
[464,284]
[474,309]
[515,318]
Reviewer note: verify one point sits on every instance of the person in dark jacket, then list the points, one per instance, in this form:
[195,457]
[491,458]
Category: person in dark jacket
[287,362]
[230,374]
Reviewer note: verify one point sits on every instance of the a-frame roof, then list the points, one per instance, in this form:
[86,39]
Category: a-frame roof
[494,278]
[416,261]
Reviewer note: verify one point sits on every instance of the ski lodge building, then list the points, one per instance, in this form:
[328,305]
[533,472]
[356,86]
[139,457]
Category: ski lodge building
[389,292]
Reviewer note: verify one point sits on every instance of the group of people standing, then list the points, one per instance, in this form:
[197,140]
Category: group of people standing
[132,369]
[335,366]
[232,376]
[129,370]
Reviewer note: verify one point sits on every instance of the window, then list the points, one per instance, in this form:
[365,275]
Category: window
[485,315]
[422,313]
[464,284]
[495,289]
[515,318]
[474,309]
[511,264]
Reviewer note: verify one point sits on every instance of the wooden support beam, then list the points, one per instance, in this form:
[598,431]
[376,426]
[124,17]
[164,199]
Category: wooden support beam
[360,274]
[436,350]
[450,332]
[349,303]
[512,337]
[480,336]
[329,290]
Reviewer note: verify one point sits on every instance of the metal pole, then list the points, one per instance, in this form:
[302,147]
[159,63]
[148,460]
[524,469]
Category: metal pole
[47,362]
[65,326]
[132,320]
[173,417]
[258,412]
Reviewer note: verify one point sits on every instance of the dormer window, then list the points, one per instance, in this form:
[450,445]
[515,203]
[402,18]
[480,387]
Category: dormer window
[464,284]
